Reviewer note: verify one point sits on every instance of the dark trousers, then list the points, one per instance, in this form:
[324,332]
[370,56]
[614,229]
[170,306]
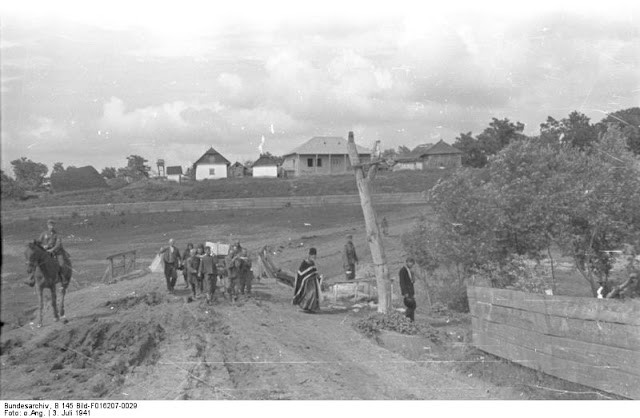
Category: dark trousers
[212,280]
[244,281]
[170,275]
[410,312]
[185,274]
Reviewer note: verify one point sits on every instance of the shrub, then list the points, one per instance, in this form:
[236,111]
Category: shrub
[391,321]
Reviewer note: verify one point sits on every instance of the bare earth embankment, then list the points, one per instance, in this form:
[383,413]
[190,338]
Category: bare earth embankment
[133,340]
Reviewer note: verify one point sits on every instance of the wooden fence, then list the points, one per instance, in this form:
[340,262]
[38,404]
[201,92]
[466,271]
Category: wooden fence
[121,264]
[593,342]
[207,205]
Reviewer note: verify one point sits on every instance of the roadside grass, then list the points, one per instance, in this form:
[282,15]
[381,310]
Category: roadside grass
[153,190]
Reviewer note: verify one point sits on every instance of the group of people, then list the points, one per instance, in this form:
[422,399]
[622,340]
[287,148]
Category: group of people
[308,282]
[202,270]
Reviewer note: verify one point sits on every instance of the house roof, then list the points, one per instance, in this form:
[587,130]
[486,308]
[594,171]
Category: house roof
[212,157]
[265,161]
[77,178]
[174,170]
[414,155]
[442,147]
[238,164]
[325,145]
[421,151]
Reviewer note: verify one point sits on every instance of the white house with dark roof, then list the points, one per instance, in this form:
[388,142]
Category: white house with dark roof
[265,166]
[321,155]
[174,173]
[212,165]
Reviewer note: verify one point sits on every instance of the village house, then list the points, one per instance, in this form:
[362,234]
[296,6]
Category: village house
[411,160]
[238,170]
[265,166]
[174,173]
[77,178]
[427,156]
[212,165]
[321,155]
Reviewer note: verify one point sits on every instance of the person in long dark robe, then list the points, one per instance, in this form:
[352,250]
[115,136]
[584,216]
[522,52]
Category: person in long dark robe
[307,286]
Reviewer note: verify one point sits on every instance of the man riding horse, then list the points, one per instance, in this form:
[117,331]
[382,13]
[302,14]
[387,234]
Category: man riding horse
[50,240]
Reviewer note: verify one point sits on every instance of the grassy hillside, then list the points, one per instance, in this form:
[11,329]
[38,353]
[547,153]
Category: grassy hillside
[155,190]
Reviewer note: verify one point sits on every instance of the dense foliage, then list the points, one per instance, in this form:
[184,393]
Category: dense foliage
[534,194]
[29,174]
[11,189]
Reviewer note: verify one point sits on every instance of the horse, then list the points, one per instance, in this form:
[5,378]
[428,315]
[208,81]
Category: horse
[48,272]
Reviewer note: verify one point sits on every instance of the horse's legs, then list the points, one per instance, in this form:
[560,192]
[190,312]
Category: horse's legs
[63,293]
[54,303]
[40,302]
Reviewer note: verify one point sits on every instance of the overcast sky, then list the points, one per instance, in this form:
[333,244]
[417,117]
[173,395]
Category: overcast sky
[93,82]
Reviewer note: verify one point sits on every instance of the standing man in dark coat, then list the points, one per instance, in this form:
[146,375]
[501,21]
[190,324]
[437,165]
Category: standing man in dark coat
[406,288]
[349,259]
[171,257]
[232,263]
[209,270]
[245,275]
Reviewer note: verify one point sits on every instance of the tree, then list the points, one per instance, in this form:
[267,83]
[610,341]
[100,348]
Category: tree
[29,174]
[108,172]
[575,130]
[136,164]
[472,153]
[536,195]
[57,168]
[10,187]
[136,168]
[499,134]
[626,121]
[601,203]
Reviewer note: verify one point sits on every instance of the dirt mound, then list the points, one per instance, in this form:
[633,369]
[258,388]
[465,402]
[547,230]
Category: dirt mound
[128,302]
[92,358]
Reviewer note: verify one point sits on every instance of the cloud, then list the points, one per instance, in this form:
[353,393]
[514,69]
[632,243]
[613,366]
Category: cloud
[175,86]
[150,119]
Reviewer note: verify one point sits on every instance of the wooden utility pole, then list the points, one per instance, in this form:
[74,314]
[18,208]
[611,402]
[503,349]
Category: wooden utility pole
[373,230]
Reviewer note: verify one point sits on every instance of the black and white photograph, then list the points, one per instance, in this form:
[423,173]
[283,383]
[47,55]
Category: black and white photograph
[318,201]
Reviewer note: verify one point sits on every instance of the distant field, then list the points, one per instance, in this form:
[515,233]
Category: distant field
[154,190]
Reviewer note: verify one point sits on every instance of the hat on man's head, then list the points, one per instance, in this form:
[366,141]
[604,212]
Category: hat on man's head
[51,221]
[313,251]
[349,236]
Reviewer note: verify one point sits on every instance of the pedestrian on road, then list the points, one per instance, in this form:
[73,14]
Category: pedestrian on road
[171,258]
[185,274]
[245,275]
[307,285]
[209,271]
[349,258]
[193,267]
[199,275]
[406,288]
[232,270]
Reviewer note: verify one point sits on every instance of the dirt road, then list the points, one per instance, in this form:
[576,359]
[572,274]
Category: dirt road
[133,340]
